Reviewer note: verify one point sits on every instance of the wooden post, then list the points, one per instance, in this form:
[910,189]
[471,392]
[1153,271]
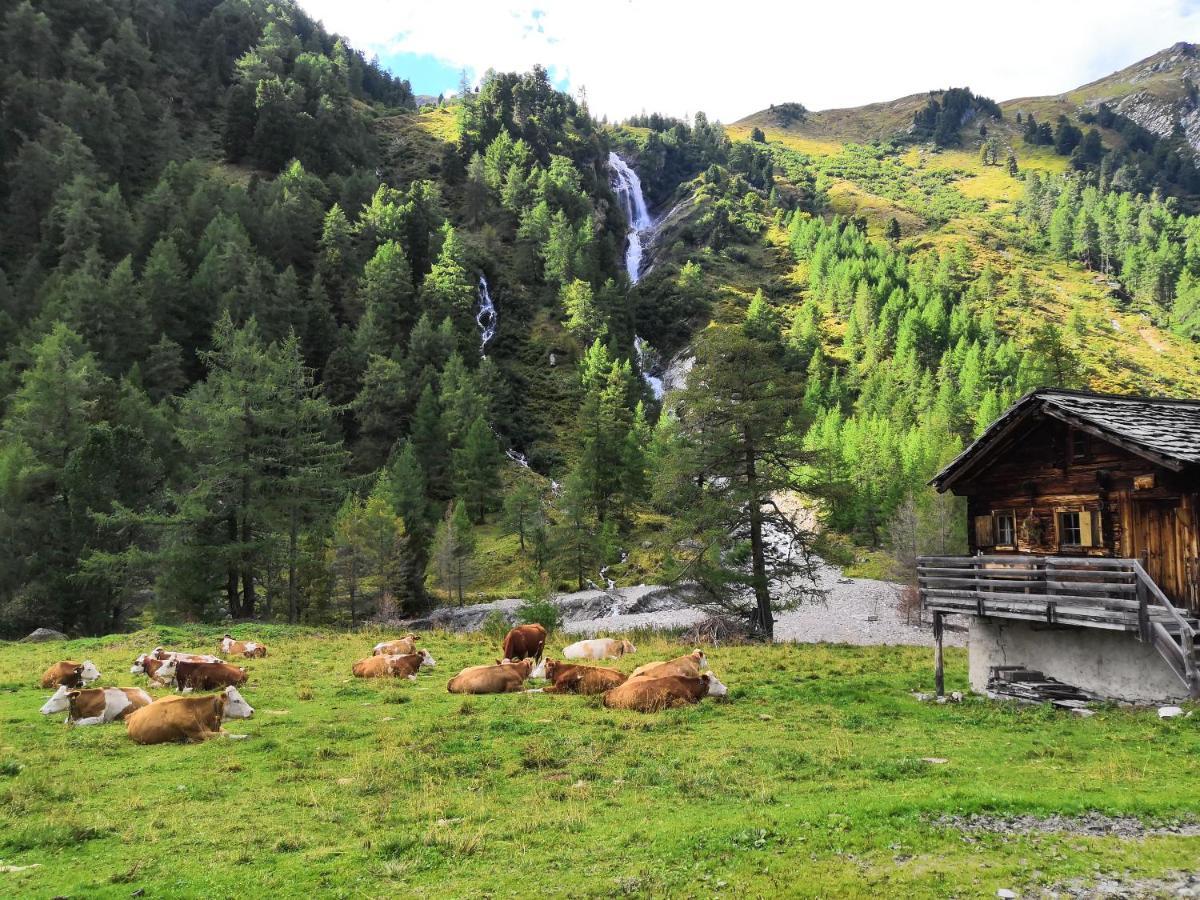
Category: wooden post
[939,678]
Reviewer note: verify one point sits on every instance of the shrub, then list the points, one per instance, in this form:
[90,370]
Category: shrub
[496,625]
[543,611]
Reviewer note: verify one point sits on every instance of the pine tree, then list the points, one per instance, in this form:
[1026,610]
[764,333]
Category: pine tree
[477,469]
[453,549]
[523,511]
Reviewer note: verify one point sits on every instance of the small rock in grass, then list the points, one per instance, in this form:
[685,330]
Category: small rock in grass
[1083,713]
[934,760]
[922,698]
[765,718]
[956,696]
[1169,712]
[1006,894]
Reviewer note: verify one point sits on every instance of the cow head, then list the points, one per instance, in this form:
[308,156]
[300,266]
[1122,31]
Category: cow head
[139,665]
[627,647]
[713,687]
[87,672]
[166,671]
[700,658]
[525,666]
[236,706]
[60,701]
[545,669]
[427,658]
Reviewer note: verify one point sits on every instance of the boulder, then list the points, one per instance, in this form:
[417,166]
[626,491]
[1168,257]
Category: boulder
[44,634]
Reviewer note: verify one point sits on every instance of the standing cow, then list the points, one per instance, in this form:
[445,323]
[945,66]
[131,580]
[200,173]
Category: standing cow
[525,642]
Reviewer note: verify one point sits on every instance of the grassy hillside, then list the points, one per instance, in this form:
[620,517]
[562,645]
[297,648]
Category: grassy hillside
[809,781]
[943,198]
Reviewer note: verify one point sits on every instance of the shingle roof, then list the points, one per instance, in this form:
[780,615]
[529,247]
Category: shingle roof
[1163,430]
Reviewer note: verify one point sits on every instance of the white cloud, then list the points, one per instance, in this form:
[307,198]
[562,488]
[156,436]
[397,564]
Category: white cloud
[733,58]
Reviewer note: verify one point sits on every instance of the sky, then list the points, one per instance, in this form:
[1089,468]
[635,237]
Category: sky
[735,57]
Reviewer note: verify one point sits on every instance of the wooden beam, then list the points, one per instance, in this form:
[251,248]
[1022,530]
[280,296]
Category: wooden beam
[939,676]
[1113,438]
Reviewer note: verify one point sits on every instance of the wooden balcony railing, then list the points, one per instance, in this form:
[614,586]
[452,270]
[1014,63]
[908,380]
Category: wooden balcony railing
[1090,592]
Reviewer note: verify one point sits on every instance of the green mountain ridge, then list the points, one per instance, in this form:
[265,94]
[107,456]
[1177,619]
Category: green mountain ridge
[241,374]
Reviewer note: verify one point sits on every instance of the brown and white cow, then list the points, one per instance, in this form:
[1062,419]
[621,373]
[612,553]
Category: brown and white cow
[398,647]
[654,694]
[525,642]
[245,649]
[566,678]
[188,719]
[179,656]
[393,665]
[149,664]
[598,648]
[96,706]
[72,674]
[506,678]
[201,676]
[690,666]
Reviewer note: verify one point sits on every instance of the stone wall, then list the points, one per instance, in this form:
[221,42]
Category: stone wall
[1110,664]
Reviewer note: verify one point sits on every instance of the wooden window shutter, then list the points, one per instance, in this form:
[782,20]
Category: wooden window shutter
[1086,531]
[983,532]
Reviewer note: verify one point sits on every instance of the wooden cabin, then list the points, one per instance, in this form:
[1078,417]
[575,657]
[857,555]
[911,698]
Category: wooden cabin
[1091,502]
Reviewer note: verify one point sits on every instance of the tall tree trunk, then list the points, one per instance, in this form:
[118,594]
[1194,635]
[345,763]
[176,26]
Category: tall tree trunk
[293,542]
[763,622]
[231,576]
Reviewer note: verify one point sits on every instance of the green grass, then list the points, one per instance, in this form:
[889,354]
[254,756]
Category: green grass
[808,782]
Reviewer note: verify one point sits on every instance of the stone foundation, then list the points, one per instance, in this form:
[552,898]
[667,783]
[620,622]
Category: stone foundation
[1113,665]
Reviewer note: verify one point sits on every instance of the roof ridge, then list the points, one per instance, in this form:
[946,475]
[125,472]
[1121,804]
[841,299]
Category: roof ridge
[1127,398]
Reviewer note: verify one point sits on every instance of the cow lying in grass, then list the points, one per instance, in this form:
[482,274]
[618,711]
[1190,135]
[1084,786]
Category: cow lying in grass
[566,678]
[398,647]
[598,648]
[504,678]
[400,665]
[187,719]
[654,694]
[246,649]
[689,666]
[72,674]
[200,676]
[96,706]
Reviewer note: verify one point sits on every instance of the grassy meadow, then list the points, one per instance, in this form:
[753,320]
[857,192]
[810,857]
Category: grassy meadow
[808,781]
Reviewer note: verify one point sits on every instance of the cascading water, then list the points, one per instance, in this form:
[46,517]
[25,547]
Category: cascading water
[487,318]
[646,365]
[628,188]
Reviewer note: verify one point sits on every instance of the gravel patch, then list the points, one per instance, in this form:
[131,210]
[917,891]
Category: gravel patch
[859,611]
[1117,887]
[1086,825]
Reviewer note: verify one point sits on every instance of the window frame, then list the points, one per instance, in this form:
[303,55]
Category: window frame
[997,532]
[1093,530]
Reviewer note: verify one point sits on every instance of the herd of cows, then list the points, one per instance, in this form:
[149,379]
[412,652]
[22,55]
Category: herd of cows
[192,717]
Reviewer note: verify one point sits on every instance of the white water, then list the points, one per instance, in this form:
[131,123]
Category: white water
[628,188]
[487,318]
[646,365]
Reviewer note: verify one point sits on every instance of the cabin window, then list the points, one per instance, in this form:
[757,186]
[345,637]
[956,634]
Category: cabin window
[1078,528]
[1005,529]
[1081,446]
[1070,532]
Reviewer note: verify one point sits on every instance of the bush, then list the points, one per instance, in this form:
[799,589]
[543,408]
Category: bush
[495,626]
[542,611]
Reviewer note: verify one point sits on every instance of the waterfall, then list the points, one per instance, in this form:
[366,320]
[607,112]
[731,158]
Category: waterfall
[487,318]
[628,188]
[646,364]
